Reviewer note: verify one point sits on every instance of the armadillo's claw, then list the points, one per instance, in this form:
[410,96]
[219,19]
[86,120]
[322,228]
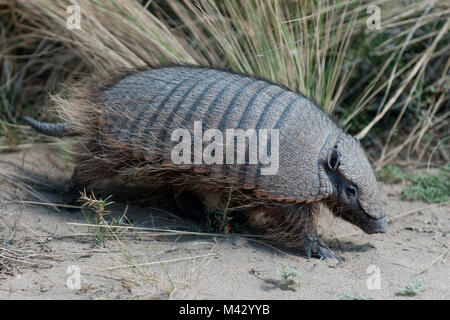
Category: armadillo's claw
[308,249]
[316,245]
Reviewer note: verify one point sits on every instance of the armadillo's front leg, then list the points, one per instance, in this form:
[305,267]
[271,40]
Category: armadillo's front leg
[313,244]
[292,226]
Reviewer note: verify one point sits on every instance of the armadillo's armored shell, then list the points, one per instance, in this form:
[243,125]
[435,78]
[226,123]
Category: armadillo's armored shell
[355,166]
[141,111]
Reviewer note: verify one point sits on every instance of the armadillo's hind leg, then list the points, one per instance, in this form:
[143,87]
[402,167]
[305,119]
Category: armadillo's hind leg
[71,193]
[86,175]
[189,205]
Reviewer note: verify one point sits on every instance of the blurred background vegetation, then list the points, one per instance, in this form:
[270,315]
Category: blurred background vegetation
[388,86]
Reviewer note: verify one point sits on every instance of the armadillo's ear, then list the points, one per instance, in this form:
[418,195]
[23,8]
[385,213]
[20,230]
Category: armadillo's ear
[333,159]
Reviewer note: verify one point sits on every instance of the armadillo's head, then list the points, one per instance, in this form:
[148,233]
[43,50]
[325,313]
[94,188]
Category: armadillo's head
[356,197]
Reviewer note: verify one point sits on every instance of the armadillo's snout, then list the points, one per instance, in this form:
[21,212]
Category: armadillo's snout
[376,225]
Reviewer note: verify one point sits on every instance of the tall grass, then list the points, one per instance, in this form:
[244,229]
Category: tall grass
[387,86]
[269,39]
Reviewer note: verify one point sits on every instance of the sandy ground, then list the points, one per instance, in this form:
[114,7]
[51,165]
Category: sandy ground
[45,252]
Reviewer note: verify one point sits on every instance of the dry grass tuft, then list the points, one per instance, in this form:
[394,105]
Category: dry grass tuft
[13,261]
[388,85]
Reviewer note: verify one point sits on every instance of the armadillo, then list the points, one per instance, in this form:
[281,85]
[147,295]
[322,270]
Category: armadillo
[126,130]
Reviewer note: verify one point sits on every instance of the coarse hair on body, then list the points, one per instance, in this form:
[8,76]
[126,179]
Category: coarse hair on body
[121,137]
[101,163]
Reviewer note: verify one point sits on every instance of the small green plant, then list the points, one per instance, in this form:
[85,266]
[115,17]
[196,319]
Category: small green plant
[427,187]
[220,221]
[289,276]
[422,186]
[391,174]
[412,288]
[103,228]
[351,296]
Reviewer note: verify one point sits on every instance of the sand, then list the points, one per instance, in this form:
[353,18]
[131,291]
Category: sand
[54,255]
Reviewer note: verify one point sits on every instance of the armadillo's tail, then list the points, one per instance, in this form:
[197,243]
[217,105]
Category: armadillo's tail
[51,129]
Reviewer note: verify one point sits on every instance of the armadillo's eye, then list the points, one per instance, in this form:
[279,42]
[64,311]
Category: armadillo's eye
[351,190]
